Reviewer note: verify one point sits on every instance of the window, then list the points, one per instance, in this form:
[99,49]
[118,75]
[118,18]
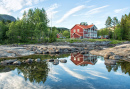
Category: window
[74,31]
[74,58]
[78,59]
[77,30]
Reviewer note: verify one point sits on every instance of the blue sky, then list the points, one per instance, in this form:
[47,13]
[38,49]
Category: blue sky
[67,13]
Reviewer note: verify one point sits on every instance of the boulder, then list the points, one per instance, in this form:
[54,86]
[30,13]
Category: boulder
[38,60]
[110,62]
[17,63]
[10,51]
[66,50]
[63,60]
[107,55]
[115,57]
[6,62]
[50,60]
[39,52]
[45,52]
[52,52]
[29,60]
[82,52]
[56,62]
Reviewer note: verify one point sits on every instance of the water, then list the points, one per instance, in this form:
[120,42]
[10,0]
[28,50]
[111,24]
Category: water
[80,72]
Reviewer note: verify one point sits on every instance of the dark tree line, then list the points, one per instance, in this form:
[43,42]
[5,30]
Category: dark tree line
[115,29]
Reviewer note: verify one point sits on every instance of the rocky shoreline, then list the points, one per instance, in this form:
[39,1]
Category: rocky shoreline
[120,51]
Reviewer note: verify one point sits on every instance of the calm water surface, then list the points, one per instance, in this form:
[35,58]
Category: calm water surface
[80,72]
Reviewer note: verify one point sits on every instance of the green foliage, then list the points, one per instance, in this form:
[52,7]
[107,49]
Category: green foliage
[116,30]
[66,34]
[115,42]
[33,26]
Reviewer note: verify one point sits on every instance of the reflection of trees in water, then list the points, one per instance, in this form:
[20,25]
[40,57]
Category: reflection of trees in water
[35,72]
[125,67]
[112,67]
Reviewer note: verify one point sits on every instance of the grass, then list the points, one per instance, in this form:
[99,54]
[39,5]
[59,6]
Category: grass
[90,40]
[116,42]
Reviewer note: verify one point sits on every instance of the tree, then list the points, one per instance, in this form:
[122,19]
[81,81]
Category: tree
[109,24]
[114,23]
[12,33]
[66,34]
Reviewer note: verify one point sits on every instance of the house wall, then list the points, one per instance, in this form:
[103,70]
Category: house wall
[77,59]
[90,33]
[75,30]
[58,36]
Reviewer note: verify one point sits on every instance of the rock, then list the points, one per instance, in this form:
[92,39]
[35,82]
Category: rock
[52,52]
[56,62]
[107,55]
[50,60]
[9,51]
[82,52]
[17,63]
[38,60]
[6,62]
[63,60]
[39,52]
[66,50]
[29,60]
[115,57]
[45,52]
[110,62]
[128,57]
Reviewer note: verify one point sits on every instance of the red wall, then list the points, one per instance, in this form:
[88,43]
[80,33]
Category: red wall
[76,62]
[75,28]
[58,36]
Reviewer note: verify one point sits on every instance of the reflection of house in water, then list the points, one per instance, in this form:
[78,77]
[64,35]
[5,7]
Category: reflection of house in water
[83,59]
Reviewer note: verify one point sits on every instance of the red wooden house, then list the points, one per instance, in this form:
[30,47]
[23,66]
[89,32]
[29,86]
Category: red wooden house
[83,30]
[83,60]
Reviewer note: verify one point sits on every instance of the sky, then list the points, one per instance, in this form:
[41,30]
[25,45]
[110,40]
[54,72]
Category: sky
[67,13]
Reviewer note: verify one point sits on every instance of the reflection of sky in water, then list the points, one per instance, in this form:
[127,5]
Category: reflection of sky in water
[70,76]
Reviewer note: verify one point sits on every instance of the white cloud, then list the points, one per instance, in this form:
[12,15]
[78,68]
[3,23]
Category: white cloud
[51,10]
[95,10]
[10,80]
[119,73]
[8,6]
[4,11]
[72,73]
[120,10]
[91,6]
[70,12]
[26,9]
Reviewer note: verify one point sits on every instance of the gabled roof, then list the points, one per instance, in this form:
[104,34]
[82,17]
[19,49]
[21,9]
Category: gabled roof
[85,26]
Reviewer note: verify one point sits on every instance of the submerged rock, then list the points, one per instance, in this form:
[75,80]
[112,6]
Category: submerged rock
[63,60]
[56,62]
[17,63]
[29,60]
[38,60]
[6,62]
[50,60]
[107,55]
[110,62]
[115,57]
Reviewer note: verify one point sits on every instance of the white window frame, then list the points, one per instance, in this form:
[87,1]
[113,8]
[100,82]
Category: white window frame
[78,30]
[74,30]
